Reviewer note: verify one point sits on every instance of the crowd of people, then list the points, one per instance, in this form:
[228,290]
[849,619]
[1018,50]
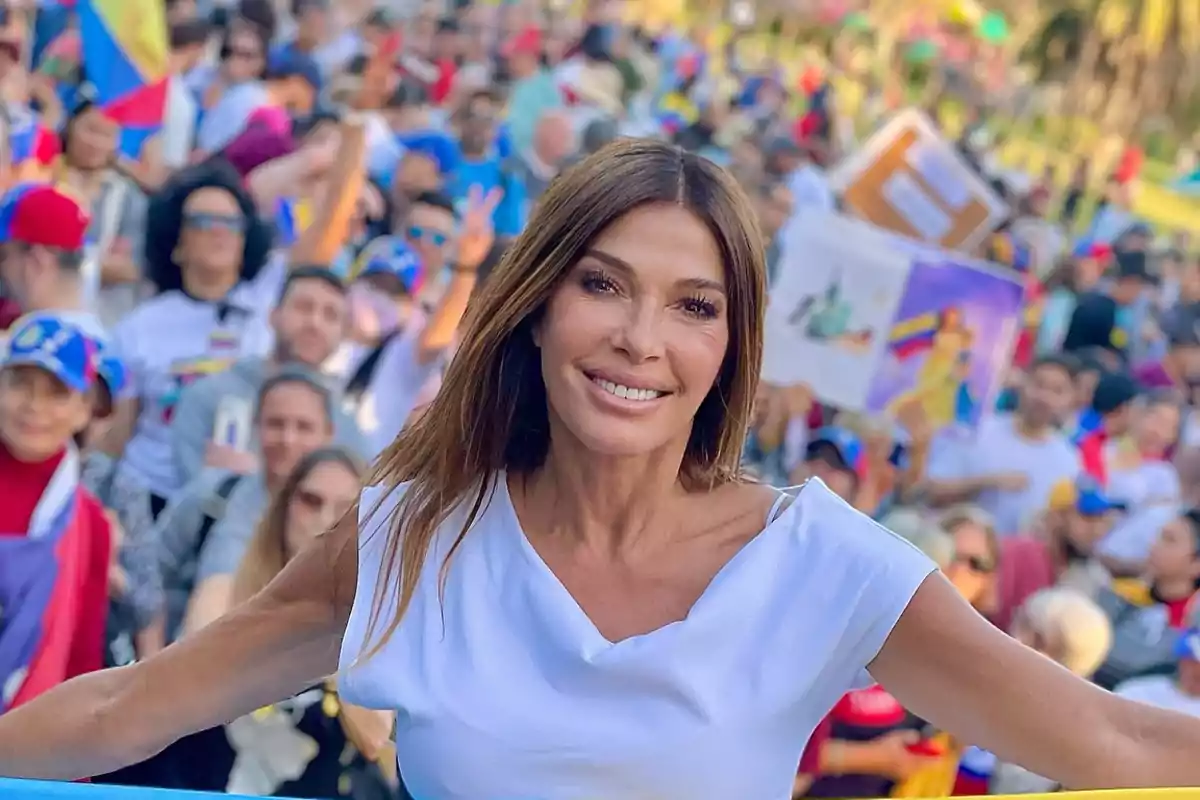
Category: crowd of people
[210,344]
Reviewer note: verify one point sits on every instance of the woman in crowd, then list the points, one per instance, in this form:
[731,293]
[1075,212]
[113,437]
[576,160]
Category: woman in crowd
[311,745]
[549,554]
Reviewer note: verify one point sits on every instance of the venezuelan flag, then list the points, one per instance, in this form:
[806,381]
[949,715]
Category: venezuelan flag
[292,218]
[914,335]
[125,59]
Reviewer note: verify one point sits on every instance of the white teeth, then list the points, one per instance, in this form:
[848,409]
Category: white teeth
[627,392]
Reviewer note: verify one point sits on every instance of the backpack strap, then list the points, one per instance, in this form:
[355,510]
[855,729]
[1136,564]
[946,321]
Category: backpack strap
[360,381]
[221,494]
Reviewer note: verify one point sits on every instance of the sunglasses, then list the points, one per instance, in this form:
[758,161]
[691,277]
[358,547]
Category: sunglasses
[245,54]
[417,233]
[205,221]
[980,564]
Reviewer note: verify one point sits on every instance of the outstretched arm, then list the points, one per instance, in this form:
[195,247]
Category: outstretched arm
[948,665]
[278,643]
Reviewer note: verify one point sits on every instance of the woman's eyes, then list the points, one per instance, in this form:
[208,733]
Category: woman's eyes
[598,283]
[697,307]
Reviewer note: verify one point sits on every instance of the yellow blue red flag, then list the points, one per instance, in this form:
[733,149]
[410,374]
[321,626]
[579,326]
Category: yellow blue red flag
[125,61]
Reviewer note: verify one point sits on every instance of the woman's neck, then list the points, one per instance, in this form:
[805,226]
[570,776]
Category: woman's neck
[85,180]
[1168,590]
[206,285]
[606,504]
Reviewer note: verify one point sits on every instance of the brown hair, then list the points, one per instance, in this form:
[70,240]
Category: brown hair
[266,553]
[491,415]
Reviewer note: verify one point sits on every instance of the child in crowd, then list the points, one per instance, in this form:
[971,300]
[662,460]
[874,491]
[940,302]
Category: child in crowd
[55,540]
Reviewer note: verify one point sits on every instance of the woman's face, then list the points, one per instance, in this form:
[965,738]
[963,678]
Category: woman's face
[974,563]
[245,59]
[213,232]
[634,337]
[323,496]
[292,422]
[1157,428]
[1173,554]
[93,140]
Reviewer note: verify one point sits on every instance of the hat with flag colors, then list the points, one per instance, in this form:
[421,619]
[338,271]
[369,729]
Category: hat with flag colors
[39,214]
[55,345]
[391,255]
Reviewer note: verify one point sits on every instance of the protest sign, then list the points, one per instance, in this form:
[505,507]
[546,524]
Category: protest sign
[910,180]
[871,321]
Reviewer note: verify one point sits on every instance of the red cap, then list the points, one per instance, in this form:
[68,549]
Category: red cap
[528,42]
[43,215]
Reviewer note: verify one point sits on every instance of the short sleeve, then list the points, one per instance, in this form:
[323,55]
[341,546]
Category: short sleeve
[870,572]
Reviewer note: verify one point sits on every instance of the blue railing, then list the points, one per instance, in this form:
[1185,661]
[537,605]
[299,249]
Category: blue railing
[47,790]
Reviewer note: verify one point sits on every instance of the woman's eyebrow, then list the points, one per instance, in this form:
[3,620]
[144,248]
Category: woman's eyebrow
[624,267]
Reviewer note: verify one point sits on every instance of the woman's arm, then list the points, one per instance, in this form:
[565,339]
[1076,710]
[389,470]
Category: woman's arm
[280,642]
[947,664]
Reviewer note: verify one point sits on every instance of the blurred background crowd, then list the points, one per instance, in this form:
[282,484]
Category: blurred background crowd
[237,240]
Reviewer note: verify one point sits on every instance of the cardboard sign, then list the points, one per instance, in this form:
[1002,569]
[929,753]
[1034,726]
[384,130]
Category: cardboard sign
[910,180]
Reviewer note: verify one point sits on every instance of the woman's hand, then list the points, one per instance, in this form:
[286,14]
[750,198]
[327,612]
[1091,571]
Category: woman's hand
[897,759]
[280,642]
[478,233]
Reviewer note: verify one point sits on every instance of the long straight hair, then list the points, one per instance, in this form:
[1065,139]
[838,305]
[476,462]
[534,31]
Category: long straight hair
[267,552]
[491,414]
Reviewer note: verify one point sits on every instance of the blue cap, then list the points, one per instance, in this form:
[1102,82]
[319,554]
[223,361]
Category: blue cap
[1084,494]
[287,61]
[56,346]
[391,255]
[1187,646]
[844,441]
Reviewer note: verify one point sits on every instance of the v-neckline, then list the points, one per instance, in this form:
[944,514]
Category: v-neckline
[594,640]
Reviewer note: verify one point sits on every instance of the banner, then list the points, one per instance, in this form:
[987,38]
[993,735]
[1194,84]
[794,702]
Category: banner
[910,180]
[871,321]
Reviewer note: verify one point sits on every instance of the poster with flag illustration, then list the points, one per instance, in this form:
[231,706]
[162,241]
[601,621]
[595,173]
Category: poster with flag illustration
[871,321]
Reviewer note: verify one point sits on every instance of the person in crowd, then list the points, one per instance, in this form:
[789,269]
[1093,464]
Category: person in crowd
[483,166]
[311,745]
[977,555]
[1068,627]
[1148,614]
[207,253]
[309,323]
[236,90]
[188,40]
[1179,691]
[1114,318]
[56,540]
[554,141]
[1141,476]
[313,27]
[1107,400]
[775,209]
[835,455]
[293,417]
[533,92]
[1058,551]
[1014,461]
[91,170]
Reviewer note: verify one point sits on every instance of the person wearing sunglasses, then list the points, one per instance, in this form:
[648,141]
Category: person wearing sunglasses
[976,555]
[429,231]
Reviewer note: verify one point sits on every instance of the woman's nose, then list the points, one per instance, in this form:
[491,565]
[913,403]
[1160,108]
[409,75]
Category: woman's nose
[640,337]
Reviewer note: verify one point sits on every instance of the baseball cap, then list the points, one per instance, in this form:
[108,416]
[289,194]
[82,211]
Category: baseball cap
[56,346]
[527,42]
[1084,494]
[287,62]
[39,214]
[391,255]
[845,445]
[1113,390]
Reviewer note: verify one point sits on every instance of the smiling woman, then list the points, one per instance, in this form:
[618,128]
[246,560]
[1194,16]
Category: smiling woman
[564,586]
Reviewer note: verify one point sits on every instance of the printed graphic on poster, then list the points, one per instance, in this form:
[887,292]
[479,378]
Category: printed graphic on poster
[949,343]
[829,315]
[871,321]
[909,180]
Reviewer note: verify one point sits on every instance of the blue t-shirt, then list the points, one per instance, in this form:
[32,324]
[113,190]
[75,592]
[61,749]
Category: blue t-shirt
[488,174]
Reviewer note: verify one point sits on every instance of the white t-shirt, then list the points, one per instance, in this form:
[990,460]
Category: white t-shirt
[1160,691]
[172,340]
[998,448]
[505,688]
